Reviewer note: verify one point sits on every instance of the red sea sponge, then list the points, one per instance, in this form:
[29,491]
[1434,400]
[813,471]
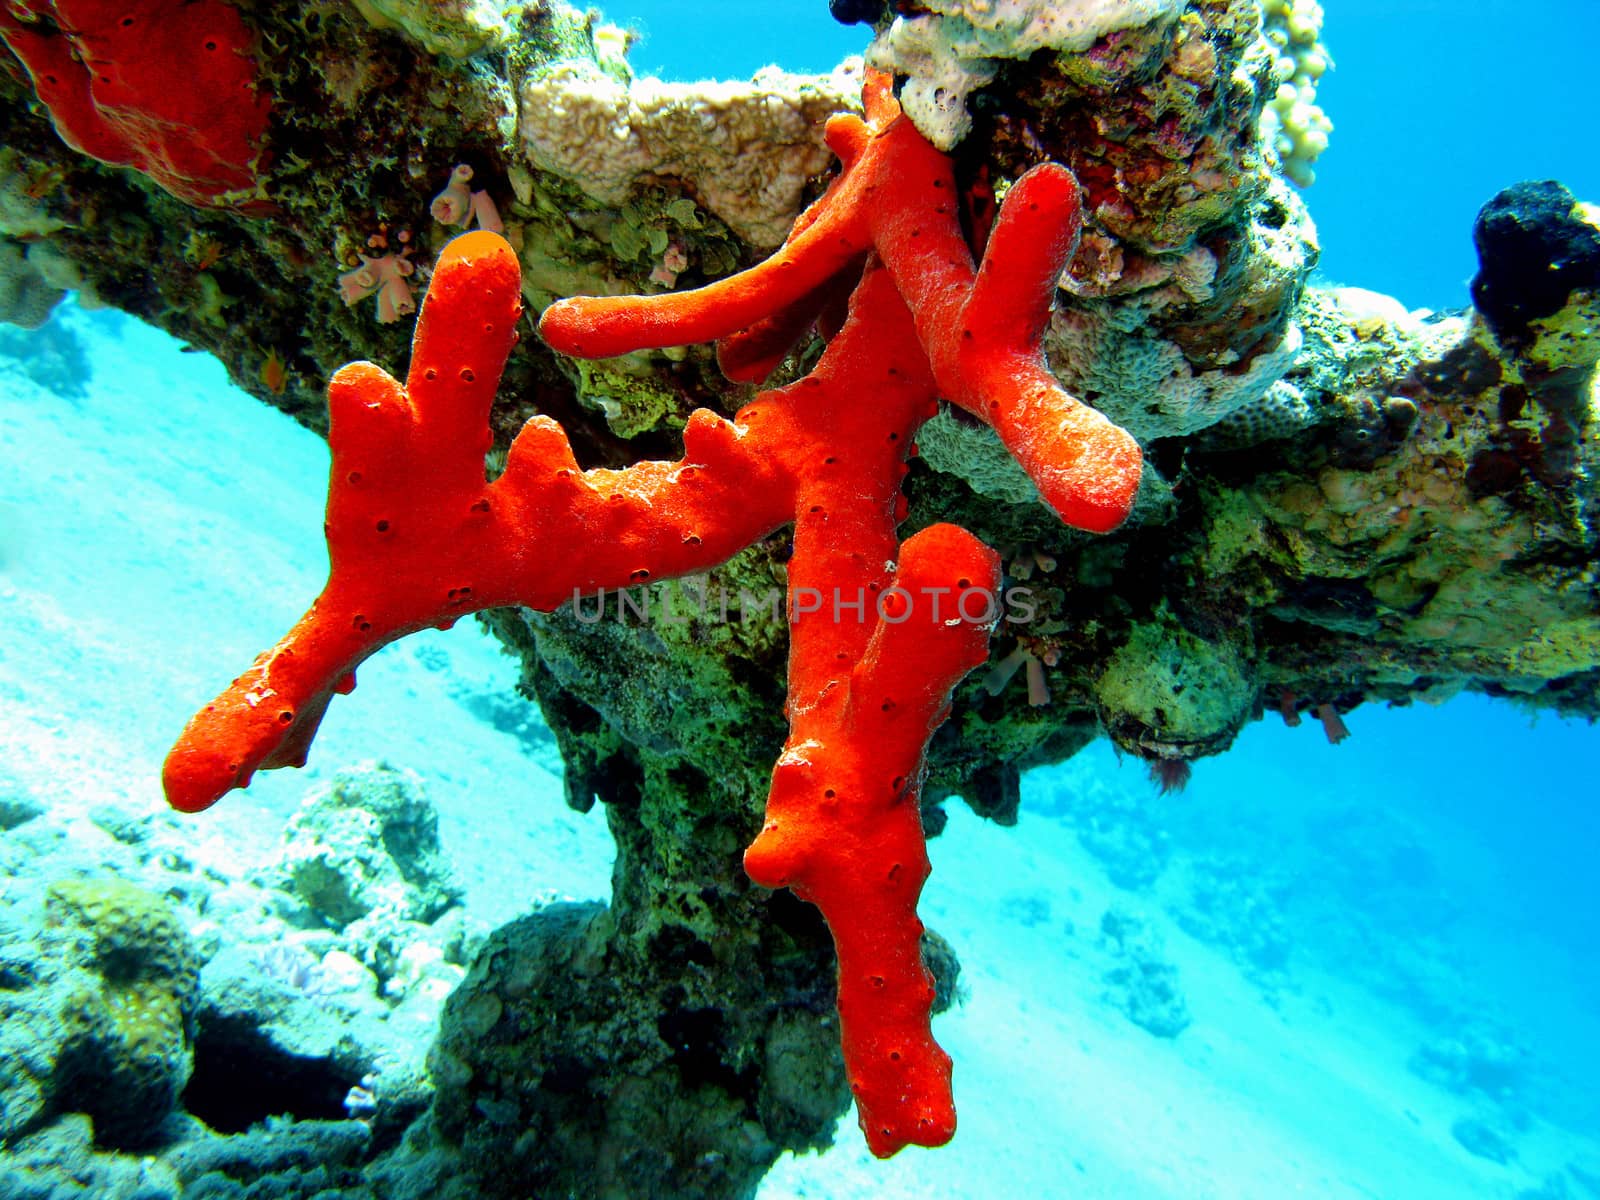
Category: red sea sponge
[881,630]
[166,88]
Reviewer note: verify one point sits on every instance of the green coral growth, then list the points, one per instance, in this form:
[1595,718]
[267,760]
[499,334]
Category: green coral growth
[1190,693]
[129,1008]
[632,403]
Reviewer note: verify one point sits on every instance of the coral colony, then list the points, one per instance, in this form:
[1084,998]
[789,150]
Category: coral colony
[416,538]
[1345,501]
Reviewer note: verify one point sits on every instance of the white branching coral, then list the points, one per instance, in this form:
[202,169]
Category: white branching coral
[953,48]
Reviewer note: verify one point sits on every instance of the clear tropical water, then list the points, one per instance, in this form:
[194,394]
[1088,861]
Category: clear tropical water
[1387,950]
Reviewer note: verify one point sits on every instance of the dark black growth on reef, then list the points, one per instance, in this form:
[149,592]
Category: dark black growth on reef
[856,12]
[1534,250]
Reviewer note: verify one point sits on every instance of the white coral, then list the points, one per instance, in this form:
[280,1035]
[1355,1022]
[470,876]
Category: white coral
[456,28]
[954,46]
[745,150]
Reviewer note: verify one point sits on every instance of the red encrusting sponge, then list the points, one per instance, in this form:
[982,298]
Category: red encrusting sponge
[167,87]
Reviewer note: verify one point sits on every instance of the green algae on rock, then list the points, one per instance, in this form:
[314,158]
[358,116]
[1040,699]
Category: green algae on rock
[118,983]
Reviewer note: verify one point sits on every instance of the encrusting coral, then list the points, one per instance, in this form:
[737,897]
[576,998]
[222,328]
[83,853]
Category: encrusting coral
[746,149]
[881,631]
[950,48]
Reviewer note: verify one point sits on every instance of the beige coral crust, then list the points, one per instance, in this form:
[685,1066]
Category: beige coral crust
[747,150]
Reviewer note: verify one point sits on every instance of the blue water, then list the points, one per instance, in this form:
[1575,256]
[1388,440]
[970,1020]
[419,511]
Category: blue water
[1437,105]
[1430,882]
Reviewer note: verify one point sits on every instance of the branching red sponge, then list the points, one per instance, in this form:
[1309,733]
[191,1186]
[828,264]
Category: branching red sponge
[164,86]
[980,325]
[417,538]
[881,631]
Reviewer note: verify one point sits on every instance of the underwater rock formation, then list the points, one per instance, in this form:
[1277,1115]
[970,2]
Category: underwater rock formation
[1344,502]
[98,1011]
[416,538]
[368,845]
[1142,983]
[577,1057]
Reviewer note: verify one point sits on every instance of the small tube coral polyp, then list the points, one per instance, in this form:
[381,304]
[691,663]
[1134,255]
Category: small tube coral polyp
[417,538]
[387,277]
[458,204]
